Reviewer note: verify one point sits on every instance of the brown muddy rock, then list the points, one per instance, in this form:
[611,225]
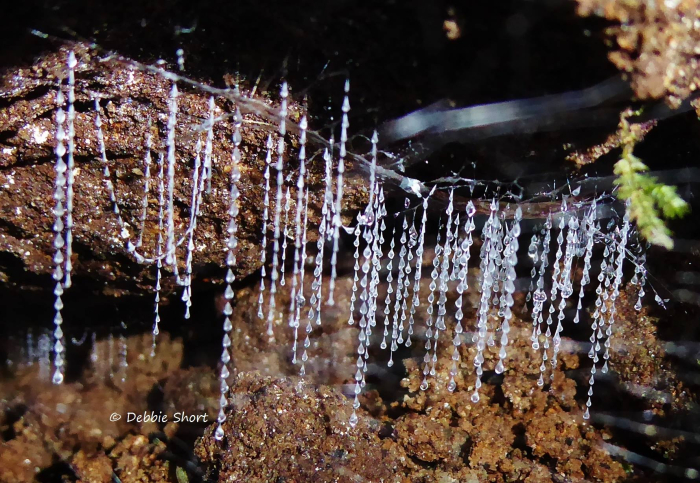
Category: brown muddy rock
[521,393]
[192,391]
[286,429]
[71,415]
[657,44]
[72,422]
[554,433]
[333,344]
[131,362]
[135,460]
[25,455]
[598,464]
[428,440]
[492,444]
[644,371]
[58,423]
[640,361]
[626,133]
[95,468]
[510,416]
[538,473]
[134,105]
[465,475]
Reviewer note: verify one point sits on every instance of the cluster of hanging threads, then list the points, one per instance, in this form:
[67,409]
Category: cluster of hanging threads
[402,251]
[297,289]
[508,277]
[165,251]
[492,259]
[279,166]
[198,180]
[63,196]
[159,253]
[231,245]
[371,223]
[344,125]
[609,278]
[265,216]
[499,257]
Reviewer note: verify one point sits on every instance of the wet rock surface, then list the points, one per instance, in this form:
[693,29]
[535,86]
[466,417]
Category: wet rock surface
[281,426]
[516,432]
[50,430]
[289,429]
[134,106]
[656,43]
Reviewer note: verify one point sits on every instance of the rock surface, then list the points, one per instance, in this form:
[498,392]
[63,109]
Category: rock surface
[657,44]
[288,429]
[134,105]
[280,426]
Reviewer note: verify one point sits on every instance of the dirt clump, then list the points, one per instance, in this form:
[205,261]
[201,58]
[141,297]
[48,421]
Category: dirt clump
[656,43]
[288,429]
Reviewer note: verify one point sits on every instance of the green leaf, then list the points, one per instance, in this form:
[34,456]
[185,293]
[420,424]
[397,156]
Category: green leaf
[649,200]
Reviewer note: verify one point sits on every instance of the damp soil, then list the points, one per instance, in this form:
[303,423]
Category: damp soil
[281,427]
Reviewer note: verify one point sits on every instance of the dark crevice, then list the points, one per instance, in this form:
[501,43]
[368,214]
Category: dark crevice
[59,471]
[13,230]
[498,395]
[424,464]
[28,162]
[11,416]
[520,441]
[465,451]
[36,93]
[6,136]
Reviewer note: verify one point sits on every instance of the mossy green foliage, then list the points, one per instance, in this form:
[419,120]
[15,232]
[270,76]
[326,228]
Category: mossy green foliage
[181,475]
[650,202]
